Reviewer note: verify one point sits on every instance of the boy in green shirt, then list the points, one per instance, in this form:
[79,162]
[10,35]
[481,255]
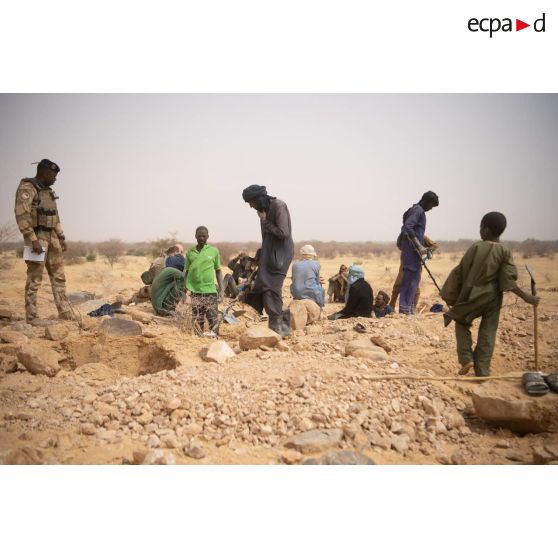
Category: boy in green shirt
[474,289]
[202,265]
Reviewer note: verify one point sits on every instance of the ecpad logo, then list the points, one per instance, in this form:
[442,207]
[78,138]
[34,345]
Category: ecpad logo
[493,25]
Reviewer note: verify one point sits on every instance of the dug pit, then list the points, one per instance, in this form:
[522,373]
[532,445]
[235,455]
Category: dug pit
[125,356]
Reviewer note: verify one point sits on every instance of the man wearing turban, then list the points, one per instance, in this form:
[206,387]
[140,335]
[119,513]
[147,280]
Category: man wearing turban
[276,254]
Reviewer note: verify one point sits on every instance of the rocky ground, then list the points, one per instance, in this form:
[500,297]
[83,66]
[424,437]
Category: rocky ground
[140,390]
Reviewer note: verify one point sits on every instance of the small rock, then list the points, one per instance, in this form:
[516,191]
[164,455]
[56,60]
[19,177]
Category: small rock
[379,441]
[8,364]
[56,332]
[351,430]
[193,429]
[290,456]
[89,398]
[345,457]
[430,407]
[79,297]
[219,352]
[153,441]
[379,342]
[194,450]
[88,429]
[400,443]
[364,348]
[457,458]
[443,459]
[6,314]
[258,335]
[16,337]
[306,424]
[503,444]
[283,347]
[155,457]
[546,453]
[39,360]
[514,456]
[170,441]
[453,420]
[117,327]
[172,404]
[315,440]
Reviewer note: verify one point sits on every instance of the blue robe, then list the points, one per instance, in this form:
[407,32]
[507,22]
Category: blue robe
[414,225]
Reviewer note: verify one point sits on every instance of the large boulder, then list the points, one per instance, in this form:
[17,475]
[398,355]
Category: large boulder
[364,348]
[299,315]
[219,352]
[39,360]
[116,327]
[303,313]
[508,405]
[257,336]
[313,441]
[313,311]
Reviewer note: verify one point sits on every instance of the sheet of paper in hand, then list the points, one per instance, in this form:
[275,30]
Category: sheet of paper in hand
[30,256]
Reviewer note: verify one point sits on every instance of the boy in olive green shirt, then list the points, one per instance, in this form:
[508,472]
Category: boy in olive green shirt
[474,290]
[202,265]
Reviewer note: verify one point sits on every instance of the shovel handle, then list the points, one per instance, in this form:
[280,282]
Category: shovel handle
[536,334]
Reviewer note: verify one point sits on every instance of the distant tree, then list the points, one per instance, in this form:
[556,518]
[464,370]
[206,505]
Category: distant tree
[159,246]
[112,249]
[8,232]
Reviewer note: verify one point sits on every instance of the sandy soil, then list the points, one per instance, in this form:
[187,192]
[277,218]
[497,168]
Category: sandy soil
[155,391]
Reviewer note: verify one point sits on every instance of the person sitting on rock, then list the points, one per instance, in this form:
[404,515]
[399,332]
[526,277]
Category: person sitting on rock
[306,280]
[338,285]
[359,302]
[381,306]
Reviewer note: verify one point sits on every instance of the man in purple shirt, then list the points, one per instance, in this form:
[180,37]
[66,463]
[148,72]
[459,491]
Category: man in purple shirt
[411,243]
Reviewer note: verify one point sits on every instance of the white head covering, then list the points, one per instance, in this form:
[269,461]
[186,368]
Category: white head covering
[308,250]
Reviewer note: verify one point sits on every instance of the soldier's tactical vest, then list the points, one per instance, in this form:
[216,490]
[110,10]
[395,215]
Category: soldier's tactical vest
[44,212]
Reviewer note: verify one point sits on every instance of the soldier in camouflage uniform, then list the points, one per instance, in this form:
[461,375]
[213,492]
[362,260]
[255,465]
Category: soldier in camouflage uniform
[37,218]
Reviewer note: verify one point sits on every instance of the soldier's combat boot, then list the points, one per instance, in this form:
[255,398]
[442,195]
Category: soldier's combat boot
[275,323]
[286,323]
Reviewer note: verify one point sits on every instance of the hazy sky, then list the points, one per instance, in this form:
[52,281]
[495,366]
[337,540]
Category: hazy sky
[136,166]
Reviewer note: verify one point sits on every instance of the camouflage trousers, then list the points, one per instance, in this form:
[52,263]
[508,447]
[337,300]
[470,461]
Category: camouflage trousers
[54,263]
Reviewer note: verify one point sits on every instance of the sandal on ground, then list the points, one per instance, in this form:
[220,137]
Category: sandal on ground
[552,382]
[534,383]
[466,368]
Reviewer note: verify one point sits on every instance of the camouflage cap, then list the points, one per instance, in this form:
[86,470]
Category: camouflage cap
[47,164]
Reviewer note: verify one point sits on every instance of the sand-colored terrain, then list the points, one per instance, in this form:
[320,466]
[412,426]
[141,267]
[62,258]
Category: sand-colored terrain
[154,392]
